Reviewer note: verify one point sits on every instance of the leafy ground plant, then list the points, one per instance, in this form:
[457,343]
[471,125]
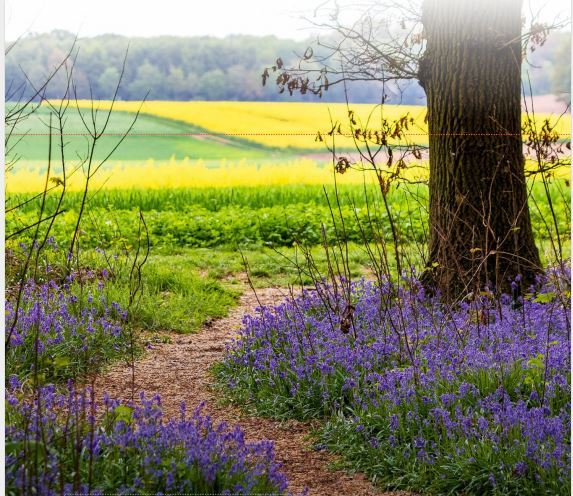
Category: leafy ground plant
[276,216]
[472,398]
[63,443]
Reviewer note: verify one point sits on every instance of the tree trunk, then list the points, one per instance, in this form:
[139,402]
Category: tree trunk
[480,228]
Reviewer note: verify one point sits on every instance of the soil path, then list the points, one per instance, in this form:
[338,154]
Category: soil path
[179,371]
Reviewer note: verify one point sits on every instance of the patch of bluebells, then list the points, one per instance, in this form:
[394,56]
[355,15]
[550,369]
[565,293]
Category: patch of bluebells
[61,332]
[472,398]
[59,441]
[62,442]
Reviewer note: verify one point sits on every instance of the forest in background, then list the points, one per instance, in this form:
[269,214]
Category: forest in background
[209,68]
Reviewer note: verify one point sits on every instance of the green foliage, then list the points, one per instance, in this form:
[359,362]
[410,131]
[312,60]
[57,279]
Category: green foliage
[548,67]
[231,226]
[561,70]
[206,68]
[277,216]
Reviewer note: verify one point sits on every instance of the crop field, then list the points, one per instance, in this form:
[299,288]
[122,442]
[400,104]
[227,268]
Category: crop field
[152,137]
[278,216]
[287,125]
[179,145]
[186,173]
[277,125]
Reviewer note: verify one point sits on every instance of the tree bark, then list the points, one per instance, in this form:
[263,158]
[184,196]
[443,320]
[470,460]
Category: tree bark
[480,227]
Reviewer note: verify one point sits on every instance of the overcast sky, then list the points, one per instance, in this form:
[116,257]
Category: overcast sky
[179,17]
[151,18]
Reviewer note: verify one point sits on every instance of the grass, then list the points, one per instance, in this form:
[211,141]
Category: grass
[185,288]
[176,297]
[135,146]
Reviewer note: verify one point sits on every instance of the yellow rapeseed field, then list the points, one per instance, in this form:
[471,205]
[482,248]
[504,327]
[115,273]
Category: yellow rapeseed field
[165,174]
[154,174]
[276,124]
[287,124]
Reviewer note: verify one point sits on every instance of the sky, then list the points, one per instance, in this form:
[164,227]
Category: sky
[163,17]
[283,18]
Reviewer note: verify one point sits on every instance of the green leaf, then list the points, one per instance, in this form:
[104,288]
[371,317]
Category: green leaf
[61,361]
[545,297]
[536,362]
[124,413]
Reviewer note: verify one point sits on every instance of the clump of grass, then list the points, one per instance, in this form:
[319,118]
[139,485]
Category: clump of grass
[178,298]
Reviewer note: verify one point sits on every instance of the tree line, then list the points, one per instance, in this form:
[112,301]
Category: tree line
[208,68]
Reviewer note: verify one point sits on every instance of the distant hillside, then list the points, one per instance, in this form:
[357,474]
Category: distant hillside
[207,68]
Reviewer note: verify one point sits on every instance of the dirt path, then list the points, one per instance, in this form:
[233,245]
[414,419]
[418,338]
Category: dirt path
[179,371]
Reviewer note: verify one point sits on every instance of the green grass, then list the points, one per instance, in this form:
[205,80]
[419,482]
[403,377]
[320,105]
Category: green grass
[267,267]
[195,271]
[176,297]
[134,147]
[185,288]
